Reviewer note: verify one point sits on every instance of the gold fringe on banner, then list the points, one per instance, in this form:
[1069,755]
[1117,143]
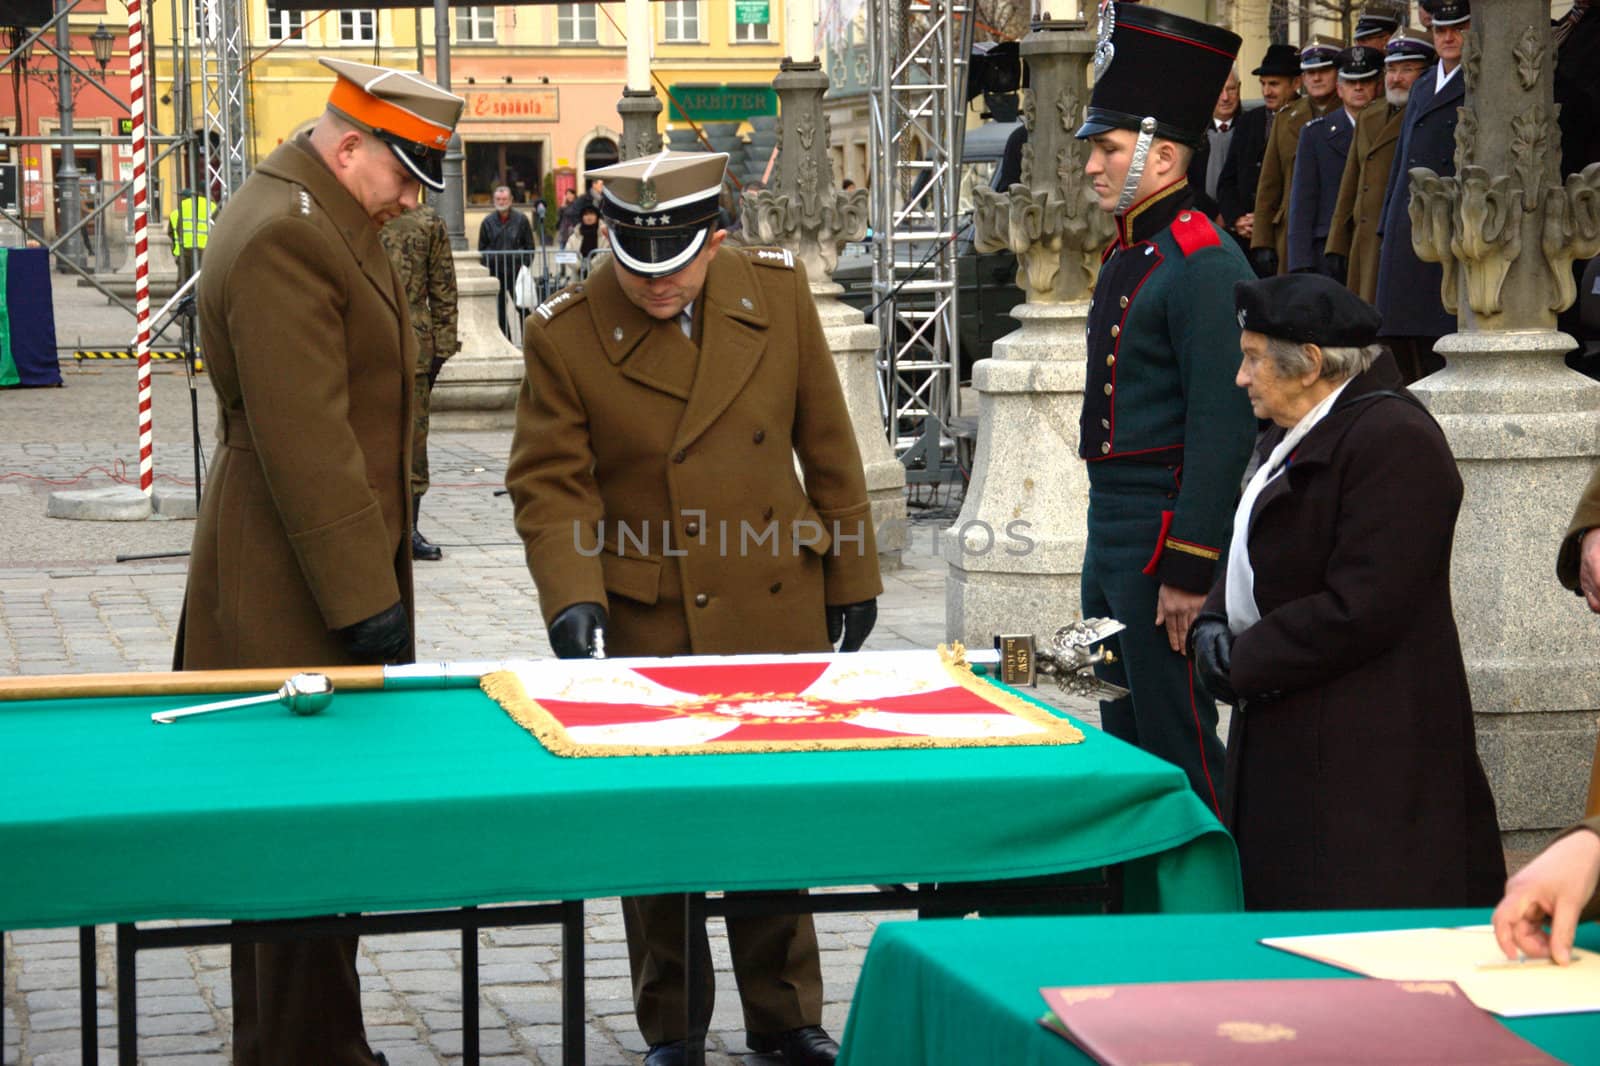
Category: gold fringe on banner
[505,688]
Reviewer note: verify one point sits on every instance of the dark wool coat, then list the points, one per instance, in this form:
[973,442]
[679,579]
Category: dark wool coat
[655,475]
[1319,165]
[305,526]
[1357,783]
[1408,288]
[1236,188]
[1277,175]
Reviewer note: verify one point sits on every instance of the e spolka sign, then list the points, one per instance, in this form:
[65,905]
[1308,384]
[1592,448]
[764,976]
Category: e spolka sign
[522,104]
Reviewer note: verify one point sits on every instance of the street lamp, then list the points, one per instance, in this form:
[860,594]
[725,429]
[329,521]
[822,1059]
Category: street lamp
[102,39]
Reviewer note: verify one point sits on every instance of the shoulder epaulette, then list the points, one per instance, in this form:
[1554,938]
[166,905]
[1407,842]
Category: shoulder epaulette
[1194,231]
[780,258]
[561,301]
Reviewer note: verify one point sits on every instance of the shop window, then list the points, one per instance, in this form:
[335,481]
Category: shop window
[518,164]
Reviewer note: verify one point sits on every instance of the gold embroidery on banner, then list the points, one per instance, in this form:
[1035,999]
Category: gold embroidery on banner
[1437,988]
[1071,996]
[1255,1032]
[506,689]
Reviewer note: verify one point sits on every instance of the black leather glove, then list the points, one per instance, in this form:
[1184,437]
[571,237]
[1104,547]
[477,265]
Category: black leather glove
[1211,648]
[433,370]
[1338,266]
[1264,261]
[854,621]
[383,638]
[572,631]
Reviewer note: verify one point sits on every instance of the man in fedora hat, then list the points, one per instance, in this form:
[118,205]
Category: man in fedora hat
[302,551]
[670,396]
[1279,75]
[1165,433]
[1319,77]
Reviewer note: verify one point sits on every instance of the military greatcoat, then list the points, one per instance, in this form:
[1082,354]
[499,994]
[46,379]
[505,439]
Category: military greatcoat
[305,526]
[1354,779]
[655,475]
[1408,289]
[1166,434]
[1319,164]
[1353,230]
[1277,176]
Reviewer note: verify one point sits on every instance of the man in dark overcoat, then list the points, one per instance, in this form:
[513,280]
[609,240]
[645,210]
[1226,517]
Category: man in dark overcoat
[1352,246]
[1279,74]
[1269,243]
[1409,299]
[505,246]
[666,402]
[1324,147]
[302,551]
[1165,433]
[1353,772]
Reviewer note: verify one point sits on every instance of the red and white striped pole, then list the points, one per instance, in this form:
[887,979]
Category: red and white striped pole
[141,243]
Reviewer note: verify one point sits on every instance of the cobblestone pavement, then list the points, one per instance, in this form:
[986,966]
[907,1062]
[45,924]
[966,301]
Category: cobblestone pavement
[67,606]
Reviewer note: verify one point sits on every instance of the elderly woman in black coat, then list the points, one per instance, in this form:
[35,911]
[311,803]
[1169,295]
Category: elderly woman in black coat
[1353,777]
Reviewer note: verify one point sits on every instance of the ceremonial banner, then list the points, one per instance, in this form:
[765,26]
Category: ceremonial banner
[715,704]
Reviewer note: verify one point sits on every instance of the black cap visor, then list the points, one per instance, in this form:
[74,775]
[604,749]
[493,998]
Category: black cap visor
[425,164]
[652,252]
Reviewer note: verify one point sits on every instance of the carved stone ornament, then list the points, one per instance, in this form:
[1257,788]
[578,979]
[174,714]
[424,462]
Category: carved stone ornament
[1057,239]
[1433,209]
[1529,54]
[1571,231]
[816,230]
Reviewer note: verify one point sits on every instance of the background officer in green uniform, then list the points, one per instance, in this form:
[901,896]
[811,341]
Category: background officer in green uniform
[1165,432]
[419,246]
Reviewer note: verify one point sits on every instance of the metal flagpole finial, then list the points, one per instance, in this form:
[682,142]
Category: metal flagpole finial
[1074,651]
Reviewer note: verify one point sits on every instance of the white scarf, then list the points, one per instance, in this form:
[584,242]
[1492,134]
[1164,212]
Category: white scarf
[1241,588]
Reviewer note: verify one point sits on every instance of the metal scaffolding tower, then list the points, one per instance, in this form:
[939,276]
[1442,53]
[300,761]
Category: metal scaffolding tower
[917,109]
[220,66]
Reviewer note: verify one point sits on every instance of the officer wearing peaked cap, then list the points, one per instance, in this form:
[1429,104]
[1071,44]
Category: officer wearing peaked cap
[1164,431]
[1320,160]
[302,551]
[667,400]
[1269,244]
[1375,26]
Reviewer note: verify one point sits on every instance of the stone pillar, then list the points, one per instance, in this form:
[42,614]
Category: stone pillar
[1015,554]
[640,113]
[477,389]
[1525,430]
[803,212]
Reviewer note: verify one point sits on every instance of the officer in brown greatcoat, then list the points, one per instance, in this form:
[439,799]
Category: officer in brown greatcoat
[1352,248]
[653,475]
[302,551]
[1269,242]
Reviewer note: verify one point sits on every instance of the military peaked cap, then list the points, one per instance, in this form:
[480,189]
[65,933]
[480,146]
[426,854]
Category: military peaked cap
[660,209]
[1375,20]
[406,111]
[1401,49]
[1448,12]
[1318,56]
[1359,63]
[1306,309]
[1151,64]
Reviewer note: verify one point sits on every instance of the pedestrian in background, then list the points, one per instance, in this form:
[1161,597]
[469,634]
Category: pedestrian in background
[1353,771]
[502,235]
[419,246]
[1279,75]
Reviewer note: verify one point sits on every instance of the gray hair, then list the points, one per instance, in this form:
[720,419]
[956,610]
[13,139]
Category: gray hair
[1291,359]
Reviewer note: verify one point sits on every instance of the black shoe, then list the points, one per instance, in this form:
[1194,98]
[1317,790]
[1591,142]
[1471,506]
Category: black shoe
[424,549]
[808,1045]
[675,1053]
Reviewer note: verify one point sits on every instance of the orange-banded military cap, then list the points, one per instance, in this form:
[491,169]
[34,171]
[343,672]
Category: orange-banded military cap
[406,111]
[660,209]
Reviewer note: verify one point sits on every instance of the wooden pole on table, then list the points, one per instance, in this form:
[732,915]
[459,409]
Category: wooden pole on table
[179,683]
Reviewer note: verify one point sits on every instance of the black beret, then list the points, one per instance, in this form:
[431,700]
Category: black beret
[1306,309]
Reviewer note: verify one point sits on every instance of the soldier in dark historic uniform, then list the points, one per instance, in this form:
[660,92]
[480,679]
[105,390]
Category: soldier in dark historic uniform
[669,397]
[419,246]
[1320,160]
[1409,299]
[302,550]
[1352,247]
[1164,431]
[1269,245]
[1279,75]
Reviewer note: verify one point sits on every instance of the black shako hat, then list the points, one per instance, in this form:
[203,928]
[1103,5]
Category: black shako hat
[1306,309]
[1153,64]
[1281,60]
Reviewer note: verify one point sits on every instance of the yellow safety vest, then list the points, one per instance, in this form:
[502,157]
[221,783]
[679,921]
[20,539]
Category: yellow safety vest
[190,222]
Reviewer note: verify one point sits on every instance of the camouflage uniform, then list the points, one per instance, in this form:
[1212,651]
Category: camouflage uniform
[419,247]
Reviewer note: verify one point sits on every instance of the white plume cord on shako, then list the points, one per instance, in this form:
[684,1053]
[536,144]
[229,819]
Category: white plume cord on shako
[1141,155]
[1242,610]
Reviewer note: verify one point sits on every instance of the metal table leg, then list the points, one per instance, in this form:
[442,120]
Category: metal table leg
[88,1009]
[574,1035]
[469,988]
[127,998]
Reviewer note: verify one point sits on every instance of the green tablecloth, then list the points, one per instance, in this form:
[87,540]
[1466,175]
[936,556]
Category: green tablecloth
[432,796]
[939,992]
